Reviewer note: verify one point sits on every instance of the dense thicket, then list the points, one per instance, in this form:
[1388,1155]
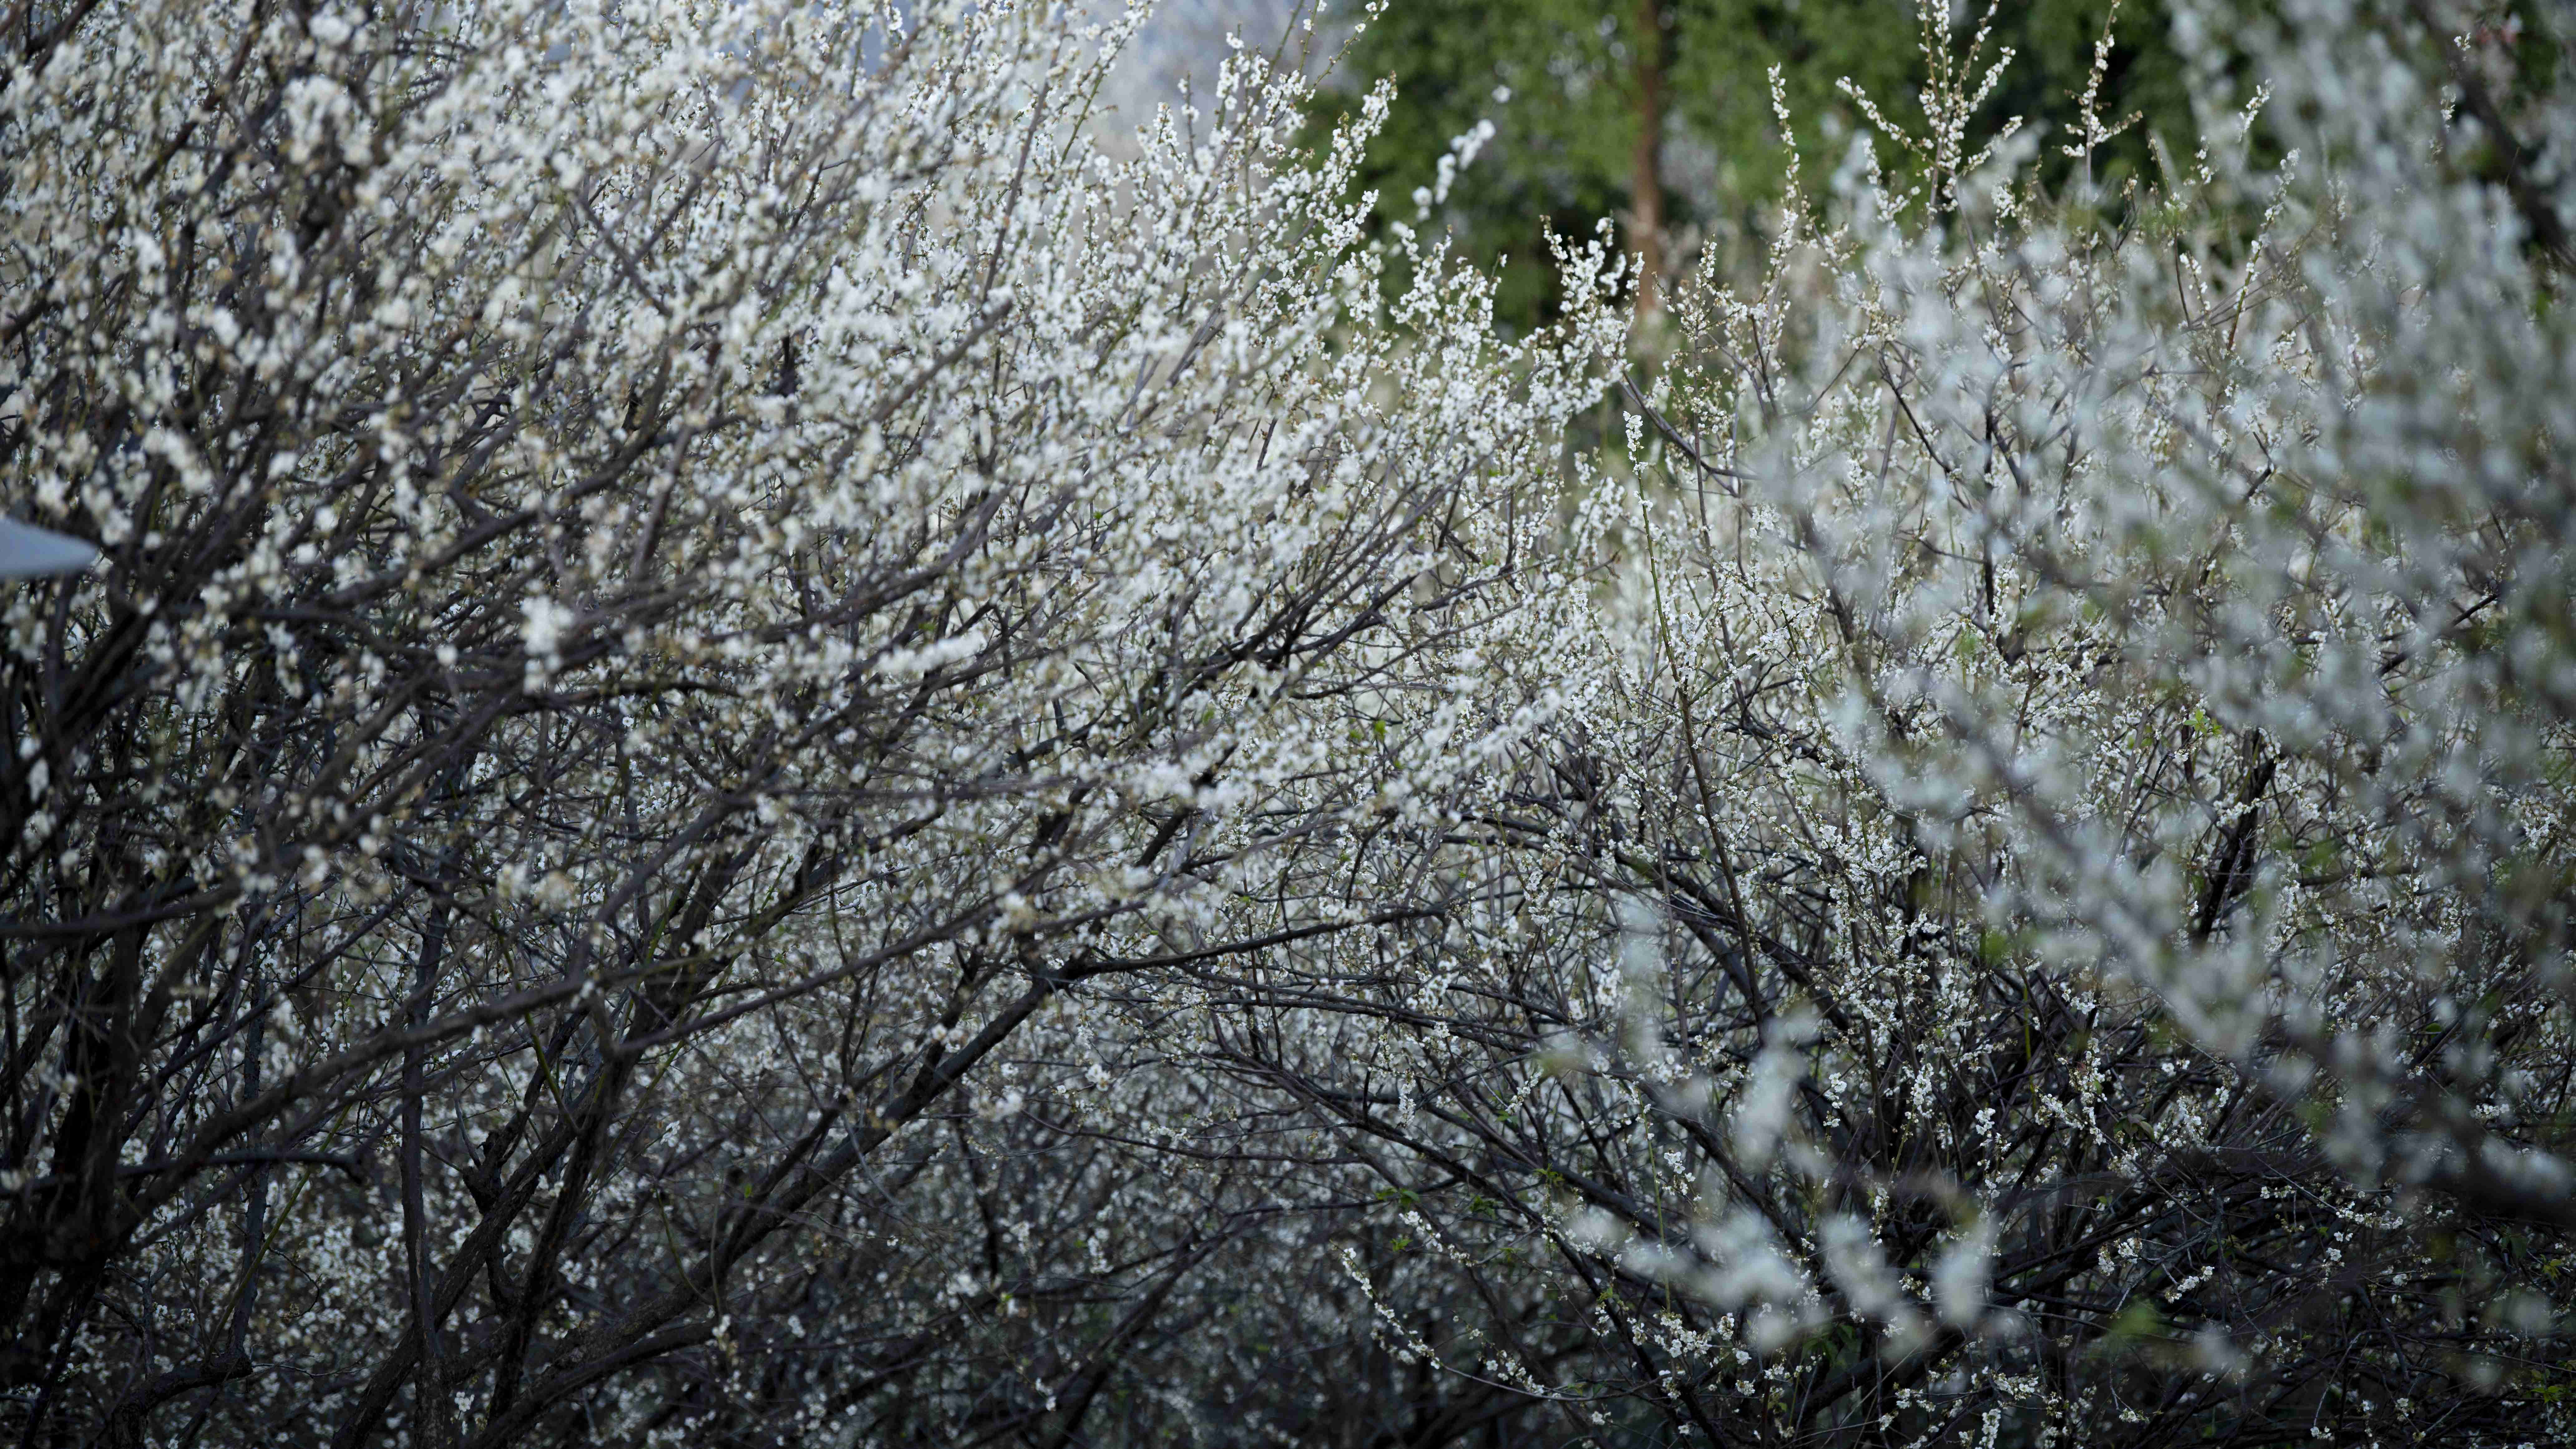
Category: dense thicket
[763,754]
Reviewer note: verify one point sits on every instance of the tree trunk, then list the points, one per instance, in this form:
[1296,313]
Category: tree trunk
[1646,177]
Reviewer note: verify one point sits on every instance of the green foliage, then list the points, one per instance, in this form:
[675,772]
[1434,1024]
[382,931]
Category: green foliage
[1559,81]
[1555,87]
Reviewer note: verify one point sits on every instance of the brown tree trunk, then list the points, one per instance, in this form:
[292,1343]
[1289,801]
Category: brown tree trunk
[1646,177]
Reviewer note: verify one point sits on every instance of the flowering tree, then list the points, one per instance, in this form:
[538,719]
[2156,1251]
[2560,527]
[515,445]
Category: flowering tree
[2054,924]
[764,752]
[2047,921]
[683,583]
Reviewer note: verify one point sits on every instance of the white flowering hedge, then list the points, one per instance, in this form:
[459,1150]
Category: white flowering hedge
[766,753]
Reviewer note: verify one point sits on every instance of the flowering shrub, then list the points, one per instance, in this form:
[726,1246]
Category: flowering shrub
[766,753]
[683,584]
[2050,924]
